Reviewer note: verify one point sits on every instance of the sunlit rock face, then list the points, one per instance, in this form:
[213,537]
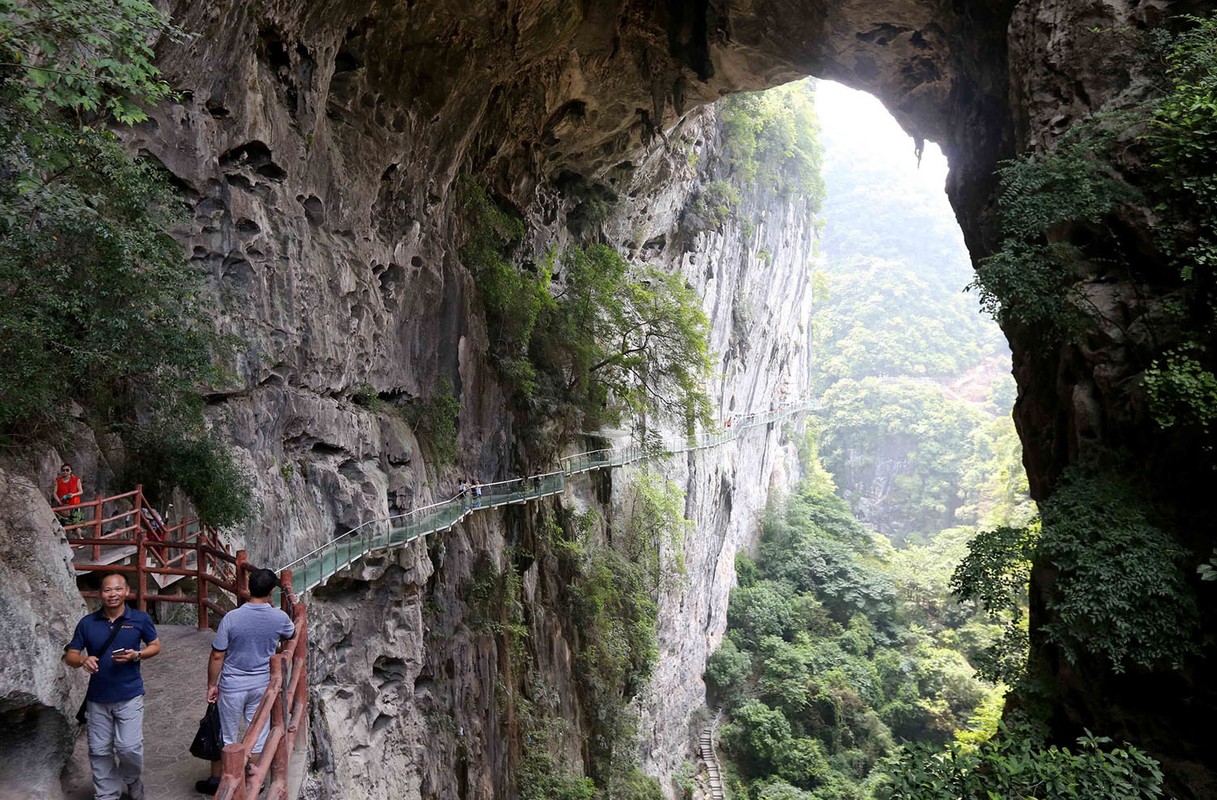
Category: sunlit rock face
[319,144]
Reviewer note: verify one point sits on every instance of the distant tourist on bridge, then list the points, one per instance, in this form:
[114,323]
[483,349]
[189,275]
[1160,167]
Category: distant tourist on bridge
[239,668]
[114,705]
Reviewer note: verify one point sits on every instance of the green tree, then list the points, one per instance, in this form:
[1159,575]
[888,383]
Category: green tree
[97,302]
[626,339]
[772,143]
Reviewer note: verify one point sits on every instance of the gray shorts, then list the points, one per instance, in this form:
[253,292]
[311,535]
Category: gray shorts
[239,699]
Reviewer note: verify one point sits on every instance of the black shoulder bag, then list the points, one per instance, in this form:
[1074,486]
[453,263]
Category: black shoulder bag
[105,648]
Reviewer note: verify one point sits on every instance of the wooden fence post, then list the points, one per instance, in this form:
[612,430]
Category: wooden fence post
[200,566]
[302,664]
[97,517]
[233,768]
[279,719]
[141,594]
[285,589]
[242,579]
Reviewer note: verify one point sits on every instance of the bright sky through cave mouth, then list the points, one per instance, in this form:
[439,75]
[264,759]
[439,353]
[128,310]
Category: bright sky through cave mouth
[861,119]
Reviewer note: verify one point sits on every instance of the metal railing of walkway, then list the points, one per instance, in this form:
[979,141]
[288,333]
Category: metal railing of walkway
[314,568]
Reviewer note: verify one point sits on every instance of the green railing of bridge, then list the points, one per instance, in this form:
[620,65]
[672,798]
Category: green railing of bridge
[314,568]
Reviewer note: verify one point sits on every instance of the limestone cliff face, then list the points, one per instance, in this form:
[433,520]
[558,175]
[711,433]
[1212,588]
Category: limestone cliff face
[424,708]
[318,144]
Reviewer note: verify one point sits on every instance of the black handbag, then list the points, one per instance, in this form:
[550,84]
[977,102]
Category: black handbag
[105,648]
[208,743]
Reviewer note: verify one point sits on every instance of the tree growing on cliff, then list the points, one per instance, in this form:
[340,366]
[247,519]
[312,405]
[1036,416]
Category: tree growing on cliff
[772,142]
[586,338]
[626,340]
[97,303]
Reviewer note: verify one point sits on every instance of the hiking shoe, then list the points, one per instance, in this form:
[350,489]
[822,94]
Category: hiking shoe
[207,786]
[136,790]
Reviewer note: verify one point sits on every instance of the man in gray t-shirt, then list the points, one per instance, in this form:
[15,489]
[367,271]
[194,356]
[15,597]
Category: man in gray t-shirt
[239,668]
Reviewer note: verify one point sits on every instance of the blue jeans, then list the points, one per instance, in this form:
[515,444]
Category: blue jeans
[115,730]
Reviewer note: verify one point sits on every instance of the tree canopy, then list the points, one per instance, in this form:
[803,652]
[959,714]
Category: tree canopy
[98,305]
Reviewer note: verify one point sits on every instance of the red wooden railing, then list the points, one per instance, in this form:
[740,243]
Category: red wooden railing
[125,520]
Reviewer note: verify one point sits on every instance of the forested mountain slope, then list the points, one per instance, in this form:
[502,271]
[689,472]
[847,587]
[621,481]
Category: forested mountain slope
[914,381]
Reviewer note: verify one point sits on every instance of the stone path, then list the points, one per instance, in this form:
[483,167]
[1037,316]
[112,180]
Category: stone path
[710,758]
[176,685]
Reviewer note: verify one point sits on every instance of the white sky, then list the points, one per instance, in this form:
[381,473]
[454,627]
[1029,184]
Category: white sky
[860,119]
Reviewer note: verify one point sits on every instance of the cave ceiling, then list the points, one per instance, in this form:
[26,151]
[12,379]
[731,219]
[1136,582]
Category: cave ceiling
[535,88]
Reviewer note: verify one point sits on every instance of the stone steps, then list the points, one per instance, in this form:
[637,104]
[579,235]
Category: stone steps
[710,759]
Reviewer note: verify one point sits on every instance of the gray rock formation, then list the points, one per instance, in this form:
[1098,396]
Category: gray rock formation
[39,695]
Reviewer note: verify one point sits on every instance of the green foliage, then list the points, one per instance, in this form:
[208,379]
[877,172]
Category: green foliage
[997,568]
[82,55]
[613,598]
[436,420]
[540,775]
[1208,571]
[616,340]
[1015,765]
[1031,278]
[180,452]
[880,317]
[870,423]
[632,784]
[714,204]
[495,604]
[1184,139]
[655,536]
[818,671]
[757,612]
[540,780]
[1120,593]
[771,142]
[365,395]
[624,340]
[513,298]
[98,304]
[727,671]
[1182,392]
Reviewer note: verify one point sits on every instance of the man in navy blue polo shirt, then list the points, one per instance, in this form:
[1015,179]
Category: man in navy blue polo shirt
[115,702]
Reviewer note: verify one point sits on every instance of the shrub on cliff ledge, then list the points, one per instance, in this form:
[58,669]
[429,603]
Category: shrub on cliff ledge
[771,142]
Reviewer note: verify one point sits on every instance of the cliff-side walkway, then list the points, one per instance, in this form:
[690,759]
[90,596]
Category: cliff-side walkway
[176,685]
